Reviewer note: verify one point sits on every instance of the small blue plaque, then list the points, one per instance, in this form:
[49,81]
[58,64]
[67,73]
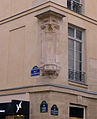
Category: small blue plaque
[43,107]
[54,110]
[35,71]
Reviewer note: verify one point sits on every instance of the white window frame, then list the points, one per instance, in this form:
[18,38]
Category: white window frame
[82,42]
[78,107]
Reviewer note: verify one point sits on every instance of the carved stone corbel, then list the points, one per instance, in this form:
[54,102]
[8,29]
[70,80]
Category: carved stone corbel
[49,36]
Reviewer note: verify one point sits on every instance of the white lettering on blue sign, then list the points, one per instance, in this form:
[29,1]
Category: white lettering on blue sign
[35,71]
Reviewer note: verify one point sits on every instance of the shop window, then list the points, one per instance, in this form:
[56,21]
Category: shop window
[76,54]
[74,5]
[19,117]
[76,112]
[16,109]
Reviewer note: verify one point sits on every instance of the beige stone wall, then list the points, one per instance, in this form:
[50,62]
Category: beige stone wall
[9,98]
[4,9]
[63,102]
[12,7]
[91,9]
[20,51]
[20,46]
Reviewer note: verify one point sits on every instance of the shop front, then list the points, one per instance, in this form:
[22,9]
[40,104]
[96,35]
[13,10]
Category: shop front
[77,112]
[16,109]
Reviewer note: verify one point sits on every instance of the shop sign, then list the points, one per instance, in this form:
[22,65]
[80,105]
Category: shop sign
[20,107]
[16,107]
[54,110]
[35,71]
[43,107]
[2,111]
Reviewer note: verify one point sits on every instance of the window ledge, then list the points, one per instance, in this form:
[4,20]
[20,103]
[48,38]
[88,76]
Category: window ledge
[78,84]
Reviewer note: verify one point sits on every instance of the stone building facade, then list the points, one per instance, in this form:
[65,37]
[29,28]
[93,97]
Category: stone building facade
[48,59]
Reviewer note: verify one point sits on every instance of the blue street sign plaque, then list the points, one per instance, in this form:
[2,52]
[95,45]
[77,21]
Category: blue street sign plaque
[43,107]
[35,71]
[54,110]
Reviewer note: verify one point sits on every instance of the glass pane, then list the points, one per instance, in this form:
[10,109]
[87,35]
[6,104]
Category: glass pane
[78,66]
[71,32]
[78,56]
[71,54]
[71,64]
[77,7]
[70,44]
[76,113]
[77,1]
[69,4]
[78,46]
[71,74]
[79,34]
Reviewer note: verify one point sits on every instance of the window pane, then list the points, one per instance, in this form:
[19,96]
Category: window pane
[76,113]
[71,32]
[77,7]
[71,54]
[78,56]
[78,46]
[79,34]
[71,74]
[71,64]
[69,4]
[78,66]
[71,44]
[77,1]
[78,51]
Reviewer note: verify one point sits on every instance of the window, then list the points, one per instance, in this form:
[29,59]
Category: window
[76,112]
[75,54]
[19,117]
[74,5]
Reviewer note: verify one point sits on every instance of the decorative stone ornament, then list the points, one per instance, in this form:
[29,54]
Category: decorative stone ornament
[49,37]
[50,24]
[50,70]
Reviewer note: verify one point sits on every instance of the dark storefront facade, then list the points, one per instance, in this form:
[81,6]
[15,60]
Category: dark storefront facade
[16,109]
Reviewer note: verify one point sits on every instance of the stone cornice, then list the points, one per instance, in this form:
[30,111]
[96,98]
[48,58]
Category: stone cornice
[45,7]
[49,88]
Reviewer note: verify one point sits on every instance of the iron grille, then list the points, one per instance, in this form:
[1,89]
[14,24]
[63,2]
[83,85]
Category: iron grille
[75,6]
[76,76]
